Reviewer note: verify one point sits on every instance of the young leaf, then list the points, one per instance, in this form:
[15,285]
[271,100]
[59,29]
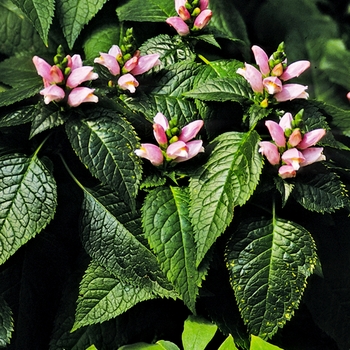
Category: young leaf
[103,296]
[6,323]
[260,344]
[146,10]
[27,201]
[167,226]
[105,142]
[40,14]
[228,344]
[269,262]
[111,244]
[75,14]
[227,179]
[321,193]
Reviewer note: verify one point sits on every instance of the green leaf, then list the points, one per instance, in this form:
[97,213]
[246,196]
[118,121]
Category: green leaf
[168,229]
[260,344]
[220,89]
[159,345]
[321,192]
[19,116]
[198,332]
[228,178]
[102,296]
[228,344]
[40,14]
[105,143]
[75,14]
[17,94]
[27,201]
[6,323]
[269,262]
[146,10]
[110,242]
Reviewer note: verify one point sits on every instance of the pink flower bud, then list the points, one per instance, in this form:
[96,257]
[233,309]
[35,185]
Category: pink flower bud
[276,132]
[203,4]
[52,93]
[160,135]
[348,96]
[270,151]
[286,121]
[295,138]
[286,171]
[311,138]
[273,85]
[293,157]
[128,82]
[294,70]
[312,155]
[130,64]
[202,19]
[151,152]
[179,25]
[190,130]
[145,63]
[162,120]
[261,59]
[80,95]
[183,13]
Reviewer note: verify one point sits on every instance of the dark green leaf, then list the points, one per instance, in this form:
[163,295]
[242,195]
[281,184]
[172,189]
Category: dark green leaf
[17,94]
[168,228]
[20,116]
[105,143]
[228,179]
[269,262]
[27,201]
[6,323]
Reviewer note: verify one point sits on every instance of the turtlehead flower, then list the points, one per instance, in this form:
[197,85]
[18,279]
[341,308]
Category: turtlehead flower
[268,82]
[290,148]
[193,16]
[175,144]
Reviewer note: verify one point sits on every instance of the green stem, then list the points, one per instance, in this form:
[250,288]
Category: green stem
[41,145]
[71,174]
[204,59]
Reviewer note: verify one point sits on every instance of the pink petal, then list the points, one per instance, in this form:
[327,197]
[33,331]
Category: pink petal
[276,132]
[286,121]
[270,151]
[52,93]
[128,82]
[151,152]
[311,138]
[254,78]
[80,95]
[294,70]
[202,19]
[190,130]
[177,149]
[80,75]
[261,59]
[162,120]
[130,64]
[50,74]
[75,62]
[179,25]
[273,85]
[286,171]
[108,61]
[159,134]
[312,155]
[203,4]
[290,92]
[179,3]
[293,157]
[145,63]
[193,148]
[348,95]
[295,138]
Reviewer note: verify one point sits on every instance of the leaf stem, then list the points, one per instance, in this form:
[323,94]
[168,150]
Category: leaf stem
[41,145]
[204,59]
[70,172]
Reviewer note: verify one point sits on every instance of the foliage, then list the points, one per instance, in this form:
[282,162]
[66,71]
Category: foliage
[152,201]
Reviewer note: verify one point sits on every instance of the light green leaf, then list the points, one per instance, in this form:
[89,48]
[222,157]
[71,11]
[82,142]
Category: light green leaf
[220,89]
[159,345]
[6,323]
[27,201]
[260,344]
[168,229]
[105,143]
[228,178]
[228,344]
[75,14]
[109,241]
[40,14]
[269,262]
[321,192]
[102,296]
[147,10]
[198,332]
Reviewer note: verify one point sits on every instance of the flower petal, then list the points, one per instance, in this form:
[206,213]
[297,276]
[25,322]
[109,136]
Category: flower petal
[276,132]
[294,70]
[286,171]
[202,19]
[151,152]
[162,120]
[80,95]
[312,155]
[193,148]
[145,63]
[179,25]
[108,61]
[311,138]
[261,59]
[80,75]
[273,85]
[177,149]
[254,78]
[286,121]
[270,151]
[293,157]
[52,93]
[128,82]
[190,131]
[159,134]
[290,92]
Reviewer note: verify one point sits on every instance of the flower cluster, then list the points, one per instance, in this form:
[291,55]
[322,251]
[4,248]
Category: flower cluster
[268,82]
[291,149]
[125,62]
[193,15]
[62,80]
[175,143]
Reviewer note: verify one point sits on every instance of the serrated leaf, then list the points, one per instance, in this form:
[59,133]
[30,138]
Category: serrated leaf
[229,89]
[40,14]
[6,323]
[228,178]
[17,94]
[168,229]
[102,296]
[147,10]
[269,262]
[19,116]
[75,14]
[321,193]
[111,244]
[27,201]
[105,143]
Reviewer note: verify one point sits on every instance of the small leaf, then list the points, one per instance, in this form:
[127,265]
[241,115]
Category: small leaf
[228,344]
[227,179]
[260,344]
[103,296]
[198,332]
[167,226]
[6,323]
[27,201]
[269,262]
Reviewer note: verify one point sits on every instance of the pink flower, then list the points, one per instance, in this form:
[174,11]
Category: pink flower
[253,76]
[80,95]
[276,132]
[50,74]
[261,59]
[286,171]
[160,135]
[177,149]
[290,92]
[110,59]
[192,149]
[295,138]
[151,152]
[128,82]
[294,70]
[312,155]
[293,157]
[162,120]
[272,85]
[286,121]
[190,131]
[311,138]
[202,19]
[270,151]
[179,25]
[145,63]
[203,4]
[80,75]
[180,7]
[52,93]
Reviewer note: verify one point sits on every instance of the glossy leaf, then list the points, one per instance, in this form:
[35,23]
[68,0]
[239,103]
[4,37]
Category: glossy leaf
[105,143]
[27,201]
[103,296]
[269,262]
[168,229]
[228,179]
[6,323]
[19,116]
[18,94]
